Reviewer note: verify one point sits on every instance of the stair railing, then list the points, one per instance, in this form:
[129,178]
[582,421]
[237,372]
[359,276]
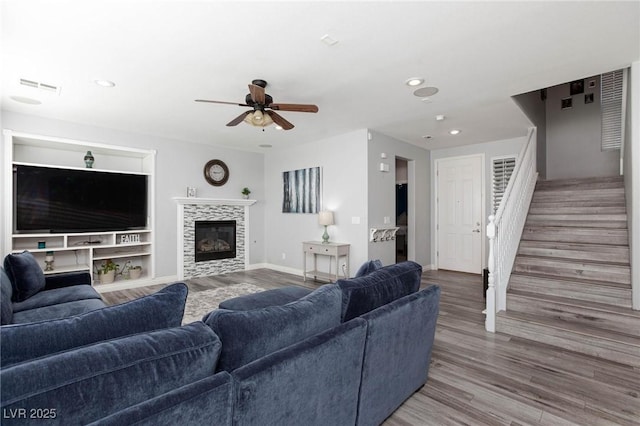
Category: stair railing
[504,229]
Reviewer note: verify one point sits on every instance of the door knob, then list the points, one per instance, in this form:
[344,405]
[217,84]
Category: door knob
[476,230]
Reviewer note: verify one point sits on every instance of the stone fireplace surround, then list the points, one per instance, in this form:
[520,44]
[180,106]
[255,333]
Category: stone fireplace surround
[191,210]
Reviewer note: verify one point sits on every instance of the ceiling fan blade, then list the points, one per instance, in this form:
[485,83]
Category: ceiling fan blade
[239,119]
[221,102]
[257,93]
[280,121]
[294,107]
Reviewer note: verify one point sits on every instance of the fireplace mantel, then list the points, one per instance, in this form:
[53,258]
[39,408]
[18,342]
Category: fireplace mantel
[214,201]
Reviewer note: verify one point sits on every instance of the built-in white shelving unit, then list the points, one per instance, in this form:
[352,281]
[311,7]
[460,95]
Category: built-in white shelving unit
[81,251]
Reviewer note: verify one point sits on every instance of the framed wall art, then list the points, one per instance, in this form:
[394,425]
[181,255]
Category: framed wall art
[301,190]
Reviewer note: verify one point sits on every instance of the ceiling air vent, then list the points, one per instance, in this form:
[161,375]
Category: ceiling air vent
[40,86]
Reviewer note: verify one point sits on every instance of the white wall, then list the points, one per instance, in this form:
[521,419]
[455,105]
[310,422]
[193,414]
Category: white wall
[574,136]
[490,150]
[344,191]
[178,164]
[382,197]
[631,169]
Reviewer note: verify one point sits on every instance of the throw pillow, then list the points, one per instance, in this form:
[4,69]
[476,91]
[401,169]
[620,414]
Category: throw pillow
[368,267]
[6,292]
[25,274]
[249,335]
[163,309]
[363,294]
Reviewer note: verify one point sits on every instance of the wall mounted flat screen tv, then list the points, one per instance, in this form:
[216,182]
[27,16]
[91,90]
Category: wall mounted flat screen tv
[62,200]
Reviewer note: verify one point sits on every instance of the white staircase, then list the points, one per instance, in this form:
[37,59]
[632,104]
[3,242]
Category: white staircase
[571,284]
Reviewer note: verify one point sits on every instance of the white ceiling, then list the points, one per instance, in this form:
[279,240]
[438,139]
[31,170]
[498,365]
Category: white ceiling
[164,54]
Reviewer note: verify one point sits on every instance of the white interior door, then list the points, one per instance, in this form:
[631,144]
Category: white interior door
[459,204]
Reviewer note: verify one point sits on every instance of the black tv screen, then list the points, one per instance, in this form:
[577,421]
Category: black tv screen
[63,200]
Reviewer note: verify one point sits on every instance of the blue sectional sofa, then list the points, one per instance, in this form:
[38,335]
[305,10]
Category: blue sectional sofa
[27,295]
[348,353]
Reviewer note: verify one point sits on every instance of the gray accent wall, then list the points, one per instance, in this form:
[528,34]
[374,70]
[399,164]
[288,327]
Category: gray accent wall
[574,136]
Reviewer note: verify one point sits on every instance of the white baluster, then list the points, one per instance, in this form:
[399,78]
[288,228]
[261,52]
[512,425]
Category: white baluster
[490,321]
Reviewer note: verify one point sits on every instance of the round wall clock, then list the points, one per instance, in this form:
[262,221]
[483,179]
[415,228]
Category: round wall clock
[216,172]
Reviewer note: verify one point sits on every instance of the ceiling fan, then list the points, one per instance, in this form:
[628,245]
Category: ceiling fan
[263,112]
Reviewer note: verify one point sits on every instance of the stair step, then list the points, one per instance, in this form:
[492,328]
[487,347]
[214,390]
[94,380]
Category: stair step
[587,314]
[603,195]
[590,291]
[576,270]
[586,252]
[604,344]
[582,207]
[579,220]
[583,183]
[576,235]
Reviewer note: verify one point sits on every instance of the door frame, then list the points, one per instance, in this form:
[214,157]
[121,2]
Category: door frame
[483,206]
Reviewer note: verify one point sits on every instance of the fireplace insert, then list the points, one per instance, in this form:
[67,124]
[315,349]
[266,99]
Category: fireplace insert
[215,239]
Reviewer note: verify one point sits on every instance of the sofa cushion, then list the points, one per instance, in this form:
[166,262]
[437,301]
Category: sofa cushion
[249,335]
[363,294]
[54,312]
[6,293]
[57,296]
[275,297]
[163,309]
[368,267]
[89,383]
[25,274]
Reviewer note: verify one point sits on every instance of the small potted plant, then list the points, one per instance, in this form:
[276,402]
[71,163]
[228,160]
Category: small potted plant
[135,272]
[107,272]
[245,192]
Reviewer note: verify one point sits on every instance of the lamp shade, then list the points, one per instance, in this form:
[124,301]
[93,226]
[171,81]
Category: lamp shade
[325,217]
[258,119]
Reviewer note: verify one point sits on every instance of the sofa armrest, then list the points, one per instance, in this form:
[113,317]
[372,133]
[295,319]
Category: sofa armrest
[66,279]
[205,401]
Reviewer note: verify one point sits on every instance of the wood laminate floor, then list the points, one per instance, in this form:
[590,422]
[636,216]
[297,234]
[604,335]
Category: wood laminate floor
[480,378]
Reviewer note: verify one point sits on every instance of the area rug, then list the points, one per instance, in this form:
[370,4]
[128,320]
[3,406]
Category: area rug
[200,303]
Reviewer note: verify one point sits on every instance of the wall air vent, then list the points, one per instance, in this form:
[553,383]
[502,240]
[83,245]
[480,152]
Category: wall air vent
[40,86]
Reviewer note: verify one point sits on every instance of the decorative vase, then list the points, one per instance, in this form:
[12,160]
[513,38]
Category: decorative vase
[107,277]
[88,160]
[135,273]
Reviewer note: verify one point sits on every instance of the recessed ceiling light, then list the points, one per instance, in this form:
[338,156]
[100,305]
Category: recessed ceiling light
[104,83]
[25,100]
[439,117]
[454,132]
[425,92]
[414,81]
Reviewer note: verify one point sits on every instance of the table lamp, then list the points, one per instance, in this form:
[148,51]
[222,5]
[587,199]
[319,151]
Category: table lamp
[325,218]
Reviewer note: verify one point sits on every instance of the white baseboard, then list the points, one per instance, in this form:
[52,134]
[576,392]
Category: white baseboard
[278,268]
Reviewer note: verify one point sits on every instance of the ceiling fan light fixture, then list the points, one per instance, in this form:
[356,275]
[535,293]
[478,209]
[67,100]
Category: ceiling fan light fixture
[258,119]
[454,132]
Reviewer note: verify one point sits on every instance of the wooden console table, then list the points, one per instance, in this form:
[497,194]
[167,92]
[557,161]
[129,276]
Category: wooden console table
[333,251]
